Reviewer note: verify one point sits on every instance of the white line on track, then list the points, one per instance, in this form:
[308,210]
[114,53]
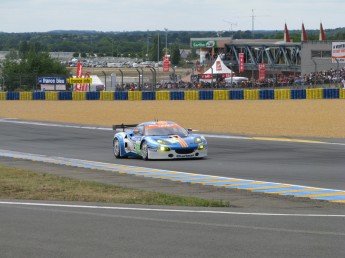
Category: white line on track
[167,210]
[14,121]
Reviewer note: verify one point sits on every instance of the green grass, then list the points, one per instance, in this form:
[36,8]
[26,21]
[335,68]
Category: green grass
[29,185]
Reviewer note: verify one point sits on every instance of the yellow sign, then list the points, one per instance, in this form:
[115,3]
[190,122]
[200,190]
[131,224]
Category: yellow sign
[79,80]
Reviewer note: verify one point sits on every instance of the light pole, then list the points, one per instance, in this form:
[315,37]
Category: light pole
[158,49]
[166,40]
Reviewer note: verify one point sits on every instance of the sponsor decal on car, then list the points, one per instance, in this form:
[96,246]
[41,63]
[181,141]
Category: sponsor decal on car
[185,155]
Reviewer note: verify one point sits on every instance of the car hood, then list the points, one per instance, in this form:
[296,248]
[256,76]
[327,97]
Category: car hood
[175,140]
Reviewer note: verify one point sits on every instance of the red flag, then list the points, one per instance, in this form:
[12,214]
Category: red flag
[84,85]
[166,63]
[286,34]
[322,33]
[303,34]
[241,58]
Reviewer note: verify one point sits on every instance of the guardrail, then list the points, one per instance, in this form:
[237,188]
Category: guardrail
[255,94]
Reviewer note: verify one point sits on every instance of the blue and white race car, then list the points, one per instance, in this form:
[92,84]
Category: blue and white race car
[158,140]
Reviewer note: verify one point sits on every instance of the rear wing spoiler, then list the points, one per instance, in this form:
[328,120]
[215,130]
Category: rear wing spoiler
[123,126]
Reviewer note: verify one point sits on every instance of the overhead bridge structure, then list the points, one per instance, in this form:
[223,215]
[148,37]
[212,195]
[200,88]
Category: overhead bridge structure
[278,56]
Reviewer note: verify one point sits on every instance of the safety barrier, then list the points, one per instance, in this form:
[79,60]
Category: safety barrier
[298,94]
[38,95]
[282,94]
[177,95]
[92,95]
[191,95]
[342,93]
[3,96]
[266,94]
[236,94]
[106,95]
[331,93]
[134,95]
[121,95]
[251,94]
[248,94]
[205,95]
[149,95]
[314,93]
[163,95]
[79,95]
[25,95]
[221,95]
[12,96]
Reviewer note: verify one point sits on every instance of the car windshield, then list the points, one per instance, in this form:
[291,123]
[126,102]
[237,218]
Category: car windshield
[158,130]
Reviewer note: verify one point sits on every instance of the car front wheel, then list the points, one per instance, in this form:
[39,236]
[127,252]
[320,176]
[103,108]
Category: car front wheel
[116,148]
[144,151]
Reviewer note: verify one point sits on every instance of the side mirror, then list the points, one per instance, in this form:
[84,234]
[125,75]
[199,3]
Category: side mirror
[189,130]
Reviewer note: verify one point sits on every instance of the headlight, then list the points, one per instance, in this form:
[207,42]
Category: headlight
[164,148]
[201,147]
[163,142]
[197,140]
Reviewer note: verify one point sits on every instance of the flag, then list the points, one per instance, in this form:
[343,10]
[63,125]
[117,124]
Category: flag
[286,34]
[79,73]
[241,66]
[322,33]
[262,72]
[303,34]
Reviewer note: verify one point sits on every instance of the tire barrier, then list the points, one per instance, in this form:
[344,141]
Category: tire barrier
[191,95]
[298,94]
[121,95]
[92,95]
[236,94]
[25,96]
[251,94]
[331,93]
[342,93]
[221,95]
[12,96]
[39,95]
[79,95]
[266,94]
[205,95]
[262,94]
[52,95]
[149,95]
[163,95]
[314,93]
[65,95]
[177,95]
[106,95]
[282,94]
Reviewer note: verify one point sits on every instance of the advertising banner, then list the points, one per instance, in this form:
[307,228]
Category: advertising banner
[204,44]
[338,52]
[166,63]
[241,65]
[262,72]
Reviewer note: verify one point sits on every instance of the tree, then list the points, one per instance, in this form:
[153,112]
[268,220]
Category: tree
[23,73]
[175,54]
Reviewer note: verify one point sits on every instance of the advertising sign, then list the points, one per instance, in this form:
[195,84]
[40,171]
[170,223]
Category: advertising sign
[204,44]
[80,80]
[51,80]
[241,65]
[166,63]
[262,72]
[338,52]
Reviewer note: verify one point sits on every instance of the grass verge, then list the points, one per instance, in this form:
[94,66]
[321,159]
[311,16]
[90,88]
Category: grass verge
[30,185]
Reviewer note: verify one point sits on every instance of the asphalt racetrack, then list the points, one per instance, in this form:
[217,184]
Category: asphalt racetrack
[254,229]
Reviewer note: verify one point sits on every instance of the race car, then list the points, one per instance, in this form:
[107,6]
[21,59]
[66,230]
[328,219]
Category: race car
[157,140]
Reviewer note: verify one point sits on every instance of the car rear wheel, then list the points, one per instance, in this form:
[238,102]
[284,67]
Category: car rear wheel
[144,151]
[116,148]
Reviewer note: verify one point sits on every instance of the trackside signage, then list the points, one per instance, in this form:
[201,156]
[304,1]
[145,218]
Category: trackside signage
[204,44]
[51,80]
[338,52]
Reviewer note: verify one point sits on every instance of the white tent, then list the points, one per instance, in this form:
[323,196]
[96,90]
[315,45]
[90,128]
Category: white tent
[218,68]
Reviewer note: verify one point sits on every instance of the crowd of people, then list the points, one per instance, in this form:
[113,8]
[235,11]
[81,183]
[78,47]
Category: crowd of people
[330,78]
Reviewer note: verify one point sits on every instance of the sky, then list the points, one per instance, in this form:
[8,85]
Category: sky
[164,15]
